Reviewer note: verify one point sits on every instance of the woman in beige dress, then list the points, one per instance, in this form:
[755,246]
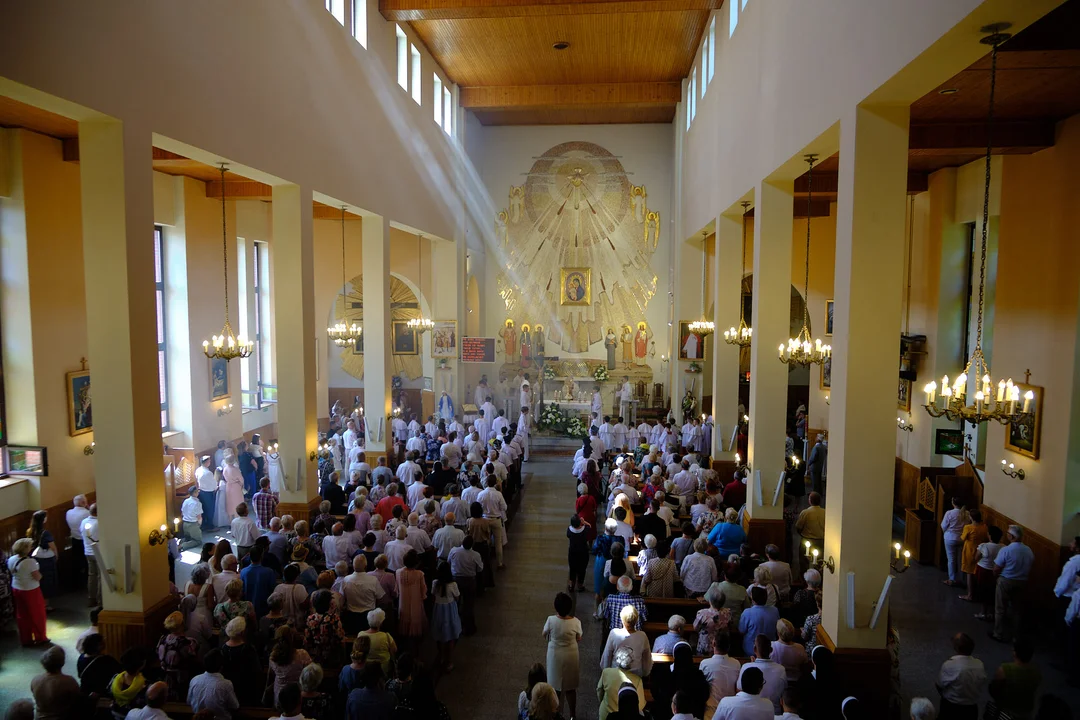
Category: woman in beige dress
[563,633]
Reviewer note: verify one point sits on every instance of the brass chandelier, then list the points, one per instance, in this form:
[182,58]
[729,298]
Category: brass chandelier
[803,349]
[704,326]
[420,324]
[991,402]
[741,335]
[344,333]
[227,345]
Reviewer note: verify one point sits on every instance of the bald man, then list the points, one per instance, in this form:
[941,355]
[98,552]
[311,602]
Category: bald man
[156,695]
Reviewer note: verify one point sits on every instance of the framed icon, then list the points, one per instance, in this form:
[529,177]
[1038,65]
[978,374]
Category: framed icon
[405,340]
[219,379]
[828,318]
[575,286]
[1023,437]
[80,411]
[444,339]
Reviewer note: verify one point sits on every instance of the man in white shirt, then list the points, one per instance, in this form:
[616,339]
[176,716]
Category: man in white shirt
[1065,585]
[335,546]
[415,494]
[74,518]
[417,538]
[416,443]
[747,704]
[961,679]
[451,451]
[618,433]
[721,671]
[204,479]
[498,467]
[244,531]
[457,427]
[792,702]
[156,696]
[414,425]
[430,427]
[447,537]
[349,436]
[465,564]
[406,472]
[774,673]
[626,394]
[362,594]
[524,430]
[495,511]
[89,530]
[396,550]
[597,442]
[191,513]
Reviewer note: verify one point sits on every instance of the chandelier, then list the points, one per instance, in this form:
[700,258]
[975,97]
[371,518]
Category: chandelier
[741,336]
[344,334]
[991,402]
[226,345]
[803,349]
[704,326]
[420,324]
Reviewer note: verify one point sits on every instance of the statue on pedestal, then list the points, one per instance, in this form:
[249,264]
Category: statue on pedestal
[509,336]
[610,343]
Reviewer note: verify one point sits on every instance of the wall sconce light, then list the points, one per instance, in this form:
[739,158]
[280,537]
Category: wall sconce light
[225,410]
[740,464]
[1012,471]
[321,451]
[273,446]
[815,557]
[904,425]
[827,400]
[894,563]
[89,449]
[162,535]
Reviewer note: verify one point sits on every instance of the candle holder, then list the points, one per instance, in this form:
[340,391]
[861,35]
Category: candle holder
[321,451]
[162,535]
[904,425]
[89,449]
[225,410]
[1012,471]
[894,564]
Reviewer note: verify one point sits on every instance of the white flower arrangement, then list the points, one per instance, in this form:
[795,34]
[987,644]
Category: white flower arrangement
[601,373]
[576,428]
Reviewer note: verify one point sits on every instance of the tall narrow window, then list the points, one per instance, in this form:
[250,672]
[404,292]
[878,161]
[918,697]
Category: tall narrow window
[744,3]
[337,9]
[438,107]
[414,55]
[686,105]
[733,17]
[693,94]
[359,21]
[448,111]
[704,68]
[159,292]
[263,375]
[712,48]
[402,59]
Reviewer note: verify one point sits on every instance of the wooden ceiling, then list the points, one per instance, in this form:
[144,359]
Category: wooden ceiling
[625,63]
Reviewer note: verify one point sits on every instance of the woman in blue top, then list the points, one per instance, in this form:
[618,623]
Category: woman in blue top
[602,550]
[728,536]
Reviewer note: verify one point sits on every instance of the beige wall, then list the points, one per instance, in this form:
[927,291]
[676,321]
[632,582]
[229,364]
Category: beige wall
[44,310]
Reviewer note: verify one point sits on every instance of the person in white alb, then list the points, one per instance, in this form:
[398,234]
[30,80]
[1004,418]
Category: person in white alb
[483,427]
[414,425]
[74,518]
[415,443]
[597,402]
[747,704]
[606,433]
[349,436]
[204,478]
[456,427]
[500,423]
[481,392]
[525,396]
[961,680]
[495,511]
[618,434]
[626,394]
[523,430]
[399,429]
[489,408]
[498,467]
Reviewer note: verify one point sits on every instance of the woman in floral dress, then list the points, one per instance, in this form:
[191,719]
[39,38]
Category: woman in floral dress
[712,619]
[323,635]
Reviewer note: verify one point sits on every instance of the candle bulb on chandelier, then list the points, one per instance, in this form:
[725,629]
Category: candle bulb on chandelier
[1028,397]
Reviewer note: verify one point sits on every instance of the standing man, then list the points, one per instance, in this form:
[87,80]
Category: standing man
[191,512]
[1012,566]
[481,391]
[525,396]
[626,394]
[90,541]
[75,517]
[961,681]
[204,479]
[349,437]
[524,426]
[489,408]
[494,505]
[265,504]
[1064,588]
[483,427]
[815,466]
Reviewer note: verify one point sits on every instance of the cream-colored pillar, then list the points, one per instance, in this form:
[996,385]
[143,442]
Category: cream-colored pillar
[688,289]
[294,327]
[727,297]
[768,376]
[377,360]
[448,279]
[118,251]
[868,292]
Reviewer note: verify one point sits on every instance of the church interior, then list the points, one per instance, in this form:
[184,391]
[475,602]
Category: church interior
[325,243]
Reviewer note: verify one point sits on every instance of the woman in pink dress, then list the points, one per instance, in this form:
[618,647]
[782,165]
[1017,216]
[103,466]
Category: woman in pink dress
[412,591]
[234,487]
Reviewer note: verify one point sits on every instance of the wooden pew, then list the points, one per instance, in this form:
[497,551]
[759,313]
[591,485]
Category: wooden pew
[660,609]
[182,711]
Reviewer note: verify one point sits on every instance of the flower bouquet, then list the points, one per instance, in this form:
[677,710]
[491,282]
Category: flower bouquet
[601,373]
[549,372]
[552,417]
[576,428]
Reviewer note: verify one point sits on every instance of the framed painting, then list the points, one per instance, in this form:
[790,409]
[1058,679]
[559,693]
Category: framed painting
[691,344]
[575,286]
[405,340]
[826,374]
[948,441]
[80,411]
[358,345]
[219,379]
[828,318]
[903,395]
[444,339]
[1022,438]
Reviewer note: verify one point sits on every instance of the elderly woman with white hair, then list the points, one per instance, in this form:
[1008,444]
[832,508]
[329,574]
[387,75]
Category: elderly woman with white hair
[665,644]
[612,680]
[763,579]
[698,569]
[628,636]
[383,649]
[658,572]
[803,603]
[314,703]
[922,709]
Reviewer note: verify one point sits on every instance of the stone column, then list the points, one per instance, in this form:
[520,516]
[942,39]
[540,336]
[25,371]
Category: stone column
[118,225]
[293,288]
[868,292]
[768,376]
[727,298]
[377,346]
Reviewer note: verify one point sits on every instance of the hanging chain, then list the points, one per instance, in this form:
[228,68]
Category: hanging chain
[704,262]
[806,277]
[344,295]
[742,305]
[224,244]
[986,191]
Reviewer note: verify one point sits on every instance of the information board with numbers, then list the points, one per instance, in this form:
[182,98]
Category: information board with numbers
[478,349]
